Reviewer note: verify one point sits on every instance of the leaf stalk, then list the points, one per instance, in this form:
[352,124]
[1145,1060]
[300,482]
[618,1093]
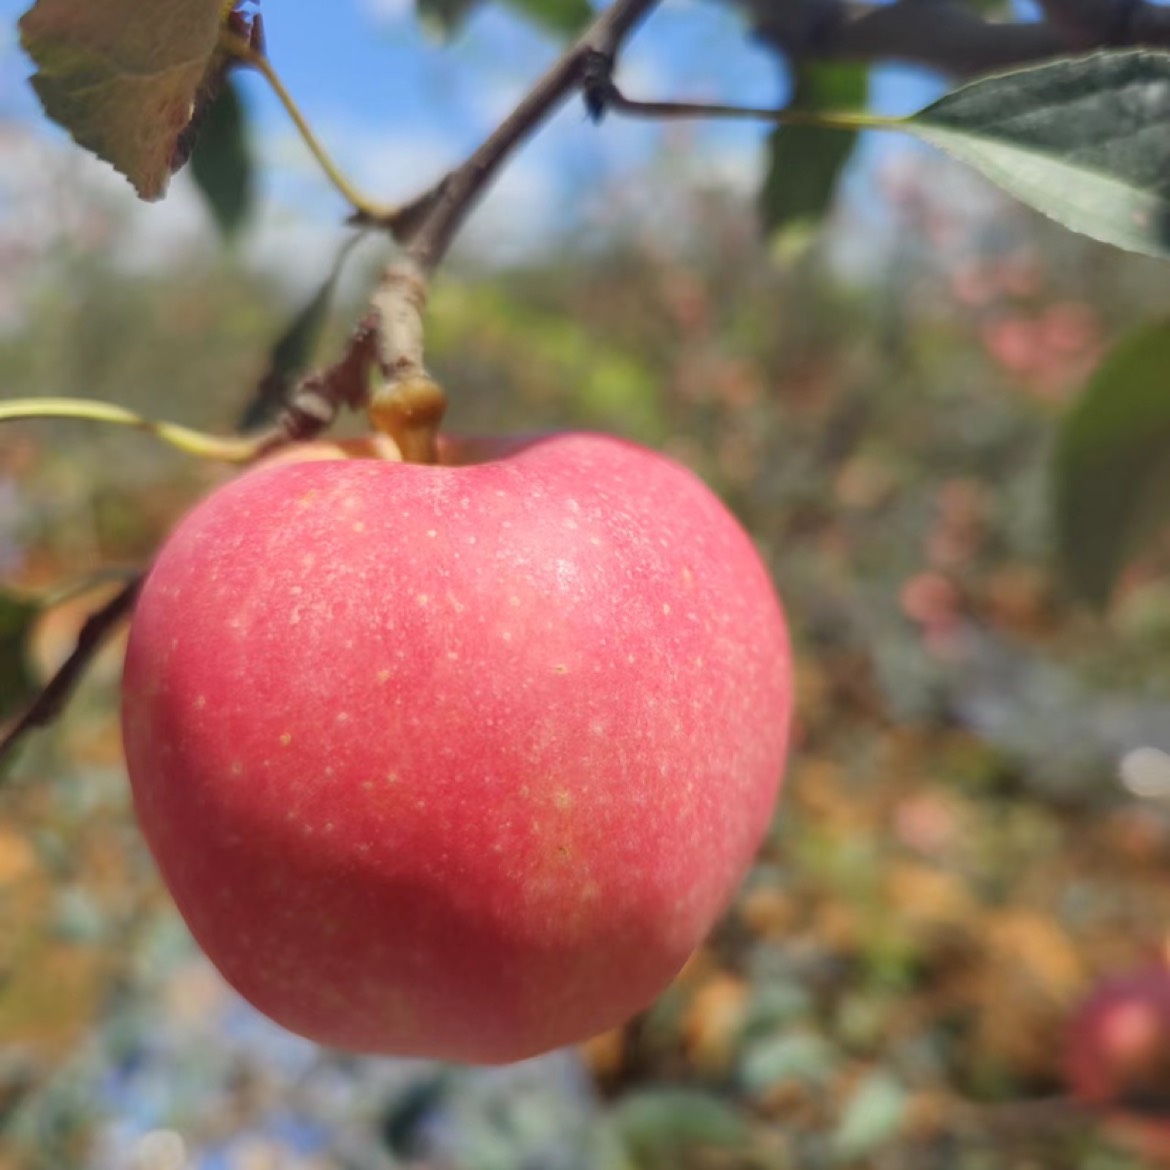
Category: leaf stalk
[368,210]
[227,449]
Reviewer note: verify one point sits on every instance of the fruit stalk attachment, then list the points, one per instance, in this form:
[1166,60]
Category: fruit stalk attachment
[409,404]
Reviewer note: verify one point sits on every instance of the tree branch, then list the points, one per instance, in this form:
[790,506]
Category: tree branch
[1090,24]
[428,224]
[950,36]
[93,635]
[407,405]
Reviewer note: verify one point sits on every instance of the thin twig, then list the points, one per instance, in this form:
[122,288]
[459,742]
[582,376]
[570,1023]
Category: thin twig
[97,629]
[318,397]
[604,96]
[428,224]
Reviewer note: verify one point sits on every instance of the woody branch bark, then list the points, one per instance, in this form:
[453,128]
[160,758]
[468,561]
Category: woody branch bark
[950,36]
[407,405]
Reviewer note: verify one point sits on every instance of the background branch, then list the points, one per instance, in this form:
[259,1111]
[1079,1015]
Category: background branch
[950,36]
[93,636]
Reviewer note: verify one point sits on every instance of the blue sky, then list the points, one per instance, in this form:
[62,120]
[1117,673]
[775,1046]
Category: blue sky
[397,107]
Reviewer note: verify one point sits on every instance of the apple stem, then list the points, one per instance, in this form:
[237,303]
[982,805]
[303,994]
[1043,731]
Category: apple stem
[410,411]
[409,404]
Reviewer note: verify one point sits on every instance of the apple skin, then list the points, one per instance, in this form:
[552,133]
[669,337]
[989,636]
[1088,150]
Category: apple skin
[457,761]
[1117,1054]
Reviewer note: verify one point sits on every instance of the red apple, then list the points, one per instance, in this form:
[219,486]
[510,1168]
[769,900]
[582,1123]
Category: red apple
[456,761]
[1117,1056]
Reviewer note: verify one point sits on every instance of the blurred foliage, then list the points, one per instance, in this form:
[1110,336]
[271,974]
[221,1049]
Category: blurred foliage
[805,163]
[561,18]
[955,861]
[17,685]
[221,163]
[1111,462]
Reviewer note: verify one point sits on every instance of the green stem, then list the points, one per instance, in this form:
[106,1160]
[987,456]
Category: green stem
[370,210]
[236,449]
[839,119]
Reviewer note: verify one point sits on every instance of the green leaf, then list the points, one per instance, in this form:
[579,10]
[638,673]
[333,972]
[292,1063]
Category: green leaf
[871,1117]
[563,18]
[221,163]
[124,78]
[805,162]
[444,18]
[290,356]
[17,685]
[1085,140]
[655,1123]
[295,350]
[1112,463]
